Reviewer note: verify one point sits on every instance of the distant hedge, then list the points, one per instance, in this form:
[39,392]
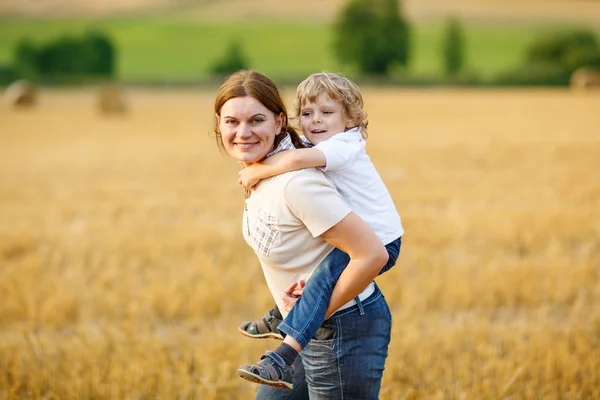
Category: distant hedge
[552,58]
[91,55]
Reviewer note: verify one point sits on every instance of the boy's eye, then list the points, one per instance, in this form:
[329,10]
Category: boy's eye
[327,112]
[305,114]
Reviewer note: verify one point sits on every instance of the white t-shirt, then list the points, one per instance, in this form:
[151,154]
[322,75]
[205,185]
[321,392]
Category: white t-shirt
[283,220]
[359,183]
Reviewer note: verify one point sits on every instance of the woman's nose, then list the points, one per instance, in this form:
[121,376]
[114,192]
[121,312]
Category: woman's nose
[244,130]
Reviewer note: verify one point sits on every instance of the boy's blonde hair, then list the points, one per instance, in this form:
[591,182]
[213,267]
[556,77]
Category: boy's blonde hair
[340,89]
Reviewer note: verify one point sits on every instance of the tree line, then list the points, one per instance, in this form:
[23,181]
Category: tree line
[92,54]
[372,36]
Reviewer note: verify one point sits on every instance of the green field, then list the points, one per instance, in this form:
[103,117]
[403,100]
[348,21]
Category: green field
[178,49]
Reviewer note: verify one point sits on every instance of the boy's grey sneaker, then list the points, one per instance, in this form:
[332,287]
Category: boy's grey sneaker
[271,370]
[264,328]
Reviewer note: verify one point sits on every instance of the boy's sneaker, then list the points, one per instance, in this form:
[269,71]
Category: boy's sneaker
[264,328]
[271,370]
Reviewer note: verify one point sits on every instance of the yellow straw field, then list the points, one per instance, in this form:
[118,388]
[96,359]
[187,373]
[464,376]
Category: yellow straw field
[124,275]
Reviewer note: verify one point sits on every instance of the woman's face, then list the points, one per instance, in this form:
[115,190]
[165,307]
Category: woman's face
[248,129]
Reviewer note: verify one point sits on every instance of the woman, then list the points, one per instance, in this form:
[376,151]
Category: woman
[293,221]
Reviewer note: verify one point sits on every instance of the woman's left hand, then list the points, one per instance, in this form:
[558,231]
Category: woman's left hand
[291,294]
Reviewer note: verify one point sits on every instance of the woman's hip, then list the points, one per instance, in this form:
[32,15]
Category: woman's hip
[347,357]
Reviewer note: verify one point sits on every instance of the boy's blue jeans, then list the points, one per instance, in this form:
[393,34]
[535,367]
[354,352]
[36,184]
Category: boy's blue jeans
[308,313]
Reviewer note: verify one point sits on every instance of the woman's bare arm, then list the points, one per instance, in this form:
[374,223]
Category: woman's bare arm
[367,257]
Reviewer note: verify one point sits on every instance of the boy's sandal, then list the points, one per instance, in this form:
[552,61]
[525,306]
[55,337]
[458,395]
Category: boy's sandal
[264,328]
[271,370]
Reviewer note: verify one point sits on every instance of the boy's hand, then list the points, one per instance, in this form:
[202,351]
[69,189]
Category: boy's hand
[248,177]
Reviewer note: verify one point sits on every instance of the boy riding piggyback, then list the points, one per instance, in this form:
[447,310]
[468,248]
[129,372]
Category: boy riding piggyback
[334,123]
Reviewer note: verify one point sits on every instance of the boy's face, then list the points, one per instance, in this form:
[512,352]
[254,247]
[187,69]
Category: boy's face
[323,119]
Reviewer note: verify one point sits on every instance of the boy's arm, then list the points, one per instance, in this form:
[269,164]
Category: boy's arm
[340,154]
[281,163]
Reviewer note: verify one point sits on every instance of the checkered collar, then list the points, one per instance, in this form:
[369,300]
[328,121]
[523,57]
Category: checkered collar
[285,144]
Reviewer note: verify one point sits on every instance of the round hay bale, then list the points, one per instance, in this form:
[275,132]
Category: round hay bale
[111,100]
[585,78]
[21,93]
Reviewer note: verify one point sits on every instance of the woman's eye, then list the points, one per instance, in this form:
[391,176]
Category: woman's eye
[257,120]
[230,122]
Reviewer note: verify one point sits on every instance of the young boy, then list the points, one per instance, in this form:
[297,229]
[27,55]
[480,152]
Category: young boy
[330,111]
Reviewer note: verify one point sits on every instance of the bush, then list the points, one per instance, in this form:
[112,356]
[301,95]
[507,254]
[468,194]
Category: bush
[100,54]
[372,35]
[26,55]
[536,74]
[551,59]
[569,50]
[453,48]
[233,60]
[92,54]
[7,74]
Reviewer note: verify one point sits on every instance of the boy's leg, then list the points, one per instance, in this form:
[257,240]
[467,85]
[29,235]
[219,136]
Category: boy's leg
[275,368]
[303,322]
[299,392]
[393,249]
[265,327]
[308,313]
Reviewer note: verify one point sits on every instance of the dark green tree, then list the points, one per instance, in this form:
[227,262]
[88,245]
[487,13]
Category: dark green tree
[453,49]
[372,35]
[233,60]
[26,58]
[552,58]
[568,50]
[100,54]
[62,57]
[92,54]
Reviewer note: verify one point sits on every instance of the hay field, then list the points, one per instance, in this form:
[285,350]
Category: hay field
[123,274]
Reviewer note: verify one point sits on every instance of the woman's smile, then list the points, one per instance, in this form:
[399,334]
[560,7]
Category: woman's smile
[246,146]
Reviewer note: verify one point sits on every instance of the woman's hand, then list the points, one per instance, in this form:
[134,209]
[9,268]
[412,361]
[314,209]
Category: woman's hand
[367,256]
[291,294]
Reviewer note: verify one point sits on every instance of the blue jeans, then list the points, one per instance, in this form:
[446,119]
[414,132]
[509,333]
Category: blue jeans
[308,313]
[346,359]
